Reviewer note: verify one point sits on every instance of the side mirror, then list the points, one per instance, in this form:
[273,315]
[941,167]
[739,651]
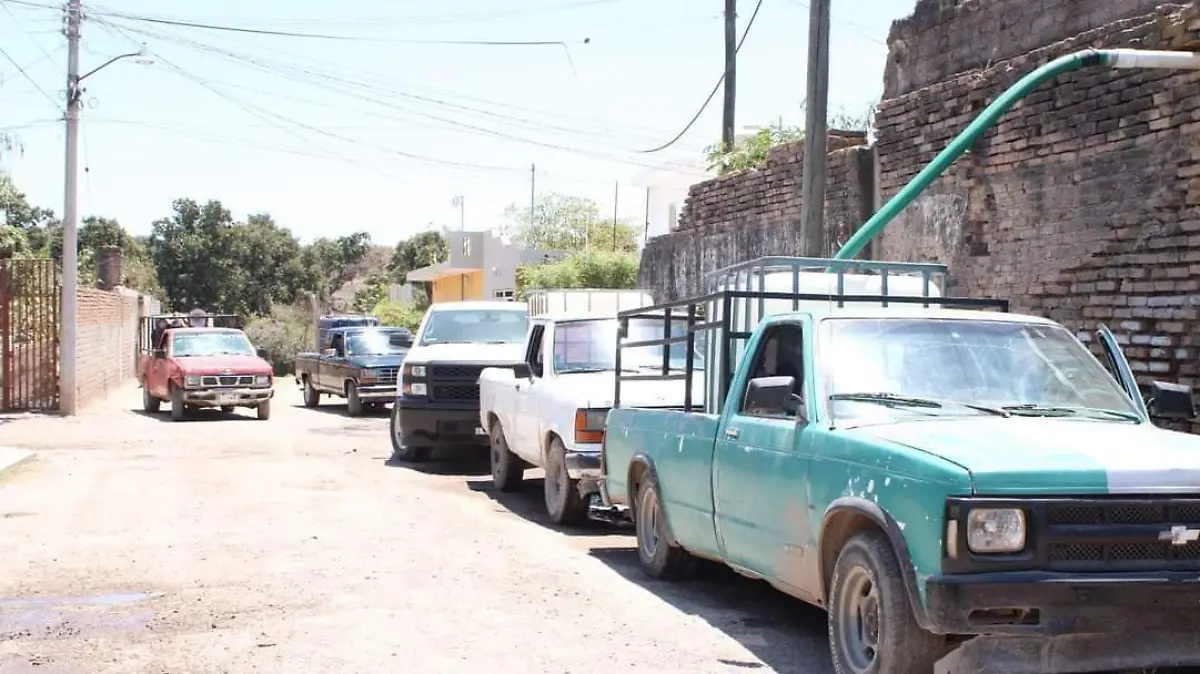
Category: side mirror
[772,396]
[329,353]
[1171,401]
[522,371]
[261,353]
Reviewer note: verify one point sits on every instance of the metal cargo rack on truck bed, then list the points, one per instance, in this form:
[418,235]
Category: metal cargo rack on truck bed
[740,293]
[150,326]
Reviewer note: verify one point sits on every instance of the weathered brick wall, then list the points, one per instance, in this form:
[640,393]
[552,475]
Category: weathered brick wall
[107,341]
[943,38]
[1083,204]
[757,213]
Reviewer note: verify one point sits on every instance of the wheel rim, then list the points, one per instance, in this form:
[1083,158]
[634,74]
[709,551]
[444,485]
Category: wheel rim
[496,451]
[647,523]
[554,477]
[858,618]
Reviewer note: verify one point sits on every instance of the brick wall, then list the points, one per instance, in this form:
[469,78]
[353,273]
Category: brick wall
[756,213]
[1083,204]
[943,38]
[107,341]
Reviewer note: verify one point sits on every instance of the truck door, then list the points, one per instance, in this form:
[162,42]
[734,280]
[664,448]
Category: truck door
[156,369]
[760,469]
[332,368]
[525,410]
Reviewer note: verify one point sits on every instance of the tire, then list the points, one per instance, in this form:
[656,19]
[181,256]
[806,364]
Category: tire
[150,404]
[312,397]
[871,625]
[264,410]
[658,557]
[508,470]
[177,405]
[563,502]
[401,451]
[354,405]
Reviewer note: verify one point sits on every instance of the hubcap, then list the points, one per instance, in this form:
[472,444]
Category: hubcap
[647,523]
[858,618]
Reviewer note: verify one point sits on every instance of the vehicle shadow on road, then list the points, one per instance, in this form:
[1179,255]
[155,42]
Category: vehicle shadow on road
[785,634]
[340,410]
[199,415]
[529,504]
[464,462]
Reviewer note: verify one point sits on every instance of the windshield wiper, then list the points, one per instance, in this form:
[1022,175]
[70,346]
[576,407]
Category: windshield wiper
[1035,410]
[897,400]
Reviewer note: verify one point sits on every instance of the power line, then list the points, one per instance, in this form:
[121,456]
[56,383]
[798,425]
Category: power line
[712,94]
[25,30]
[32,81]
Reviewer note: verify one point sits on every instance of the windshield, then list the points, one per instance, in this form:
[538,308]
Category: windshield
[475,325]
[1016,367]
[589,346]
[210,344]
[372,343]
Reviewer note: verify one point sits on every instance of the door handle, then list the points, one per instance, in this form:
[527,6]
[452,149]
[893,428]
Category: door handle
[732,433]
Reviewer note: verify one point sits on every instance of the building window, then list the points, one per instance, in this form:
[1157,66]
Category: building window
[466,247]
[506,295]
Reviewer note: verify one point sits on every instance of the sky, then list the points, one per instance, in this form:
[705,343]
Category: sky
[382,131]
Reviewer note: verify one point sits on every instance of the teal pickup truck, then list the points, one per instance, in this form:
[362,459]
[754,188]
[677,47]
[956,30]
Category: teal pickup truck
[963,489]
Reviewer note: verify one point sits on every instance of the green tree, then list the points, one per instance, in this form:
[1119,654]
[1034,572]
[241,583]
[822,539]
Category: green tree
[23,227]
[374,292]
[192,251]
[265,265]
[333,261]
[419,250]
[752,152]
[563,222]
[592,269]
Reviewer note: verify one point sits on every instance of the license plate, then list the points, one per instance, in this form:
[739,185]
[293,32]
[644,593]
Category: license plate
[226,399]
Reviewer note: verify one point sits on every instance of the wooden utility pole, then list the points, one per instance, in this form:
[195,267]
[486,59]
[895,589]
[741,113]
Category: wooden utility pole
[730,74]
[812,226]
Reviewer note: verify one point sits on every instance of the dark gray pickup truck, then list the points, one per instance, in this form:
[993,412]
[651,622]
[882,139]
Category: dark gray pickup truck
[360,366]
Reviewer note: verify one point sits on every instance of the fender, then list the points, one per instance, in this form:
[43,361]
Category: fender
[642,461]
[884,521]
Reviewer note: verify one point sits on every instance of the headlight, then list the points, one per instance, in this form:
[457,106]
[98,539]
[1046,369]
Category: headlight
[996,530]
[417,389]
[262,380]
[191,381]
[414,371]
[370,374]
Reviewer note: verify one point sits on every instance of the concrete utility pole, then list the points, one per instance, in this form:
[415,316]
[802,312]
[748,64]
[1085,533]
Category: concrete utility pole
[812,226]
[730,74]
[67,384]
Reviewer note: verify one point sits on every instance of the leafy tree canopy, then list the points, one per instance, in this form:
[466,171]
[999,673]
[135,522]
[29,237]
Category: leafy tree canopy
[562,222]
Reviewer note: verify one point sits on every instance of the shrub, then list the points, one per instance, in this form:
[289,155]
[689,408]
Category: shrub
[399,314]
[283,333]
[591,269]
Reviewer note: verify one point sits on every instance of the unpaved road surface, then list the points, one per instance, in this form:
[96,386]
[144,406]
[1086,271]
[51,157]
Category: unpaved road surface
[135,545]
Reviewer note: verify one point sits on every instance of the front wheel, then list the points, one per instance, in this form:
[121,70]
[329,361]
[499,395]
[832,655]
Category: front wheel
[563,502]
[178,407]
[354,405]
[311,397]
[871,625]
[508,470]
[658,557]
[264,410]
[400,450]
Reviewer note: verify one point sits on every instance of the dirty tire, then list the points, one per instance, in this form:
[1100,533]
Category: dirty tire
[658,557]
[354,405]
[508,470]
[177,406]
[401,451]
[150,404]
[311,397]
[871,624]
[264,410]
[563,502]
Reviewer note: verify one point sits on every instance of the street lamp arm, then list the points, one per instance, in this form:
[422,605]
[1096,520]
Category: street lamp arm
[109,62]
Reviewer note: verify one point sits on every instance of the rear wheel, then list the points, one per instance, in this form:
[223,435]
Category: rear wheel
[563,501]
[400,450]
[658,557]
[871,625]
[508,470]
[150,404]
[354,405]
[311,397]
[264,410]
[178,407]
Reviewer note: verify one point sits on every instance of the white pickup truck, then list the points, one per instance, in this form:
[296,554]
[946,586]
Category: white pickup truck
[550,410]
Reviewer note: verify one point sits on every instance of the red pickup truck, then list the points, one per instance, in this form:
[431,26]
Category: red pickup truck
[199,367]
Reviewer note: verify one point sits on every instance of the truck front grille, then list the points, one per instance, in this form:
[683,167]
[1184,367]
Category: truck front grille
[1123,535]
[447,371]
[456,392]
[227,380]
[387,375]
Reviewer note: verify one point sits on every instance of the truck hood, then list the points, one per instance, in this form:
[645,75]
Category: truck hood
[218,365]
[1039,455]
[466,353]
[596,389]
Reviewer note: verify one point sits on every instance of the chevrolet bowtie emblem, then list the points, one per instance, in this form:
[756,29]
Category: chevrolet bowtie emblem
[1180,535]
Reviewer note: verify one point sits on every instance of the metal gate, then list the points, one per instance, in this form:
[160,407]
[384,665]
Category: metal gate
[29,322]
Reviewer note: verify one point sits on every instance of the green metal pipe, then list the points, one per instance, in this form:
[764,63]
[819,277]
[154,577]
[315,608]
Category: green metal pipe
[960,144]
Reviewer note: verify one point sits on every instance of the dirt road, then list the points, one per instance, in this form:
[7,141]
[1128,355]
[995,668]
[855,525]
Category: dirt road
[137,545]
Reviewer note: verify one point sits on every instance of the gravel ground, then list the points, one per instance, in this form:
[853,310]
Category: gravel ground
[137,545]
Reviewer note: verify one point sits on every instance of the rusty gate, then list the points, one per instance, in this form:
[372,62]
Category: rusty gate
[29,306]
